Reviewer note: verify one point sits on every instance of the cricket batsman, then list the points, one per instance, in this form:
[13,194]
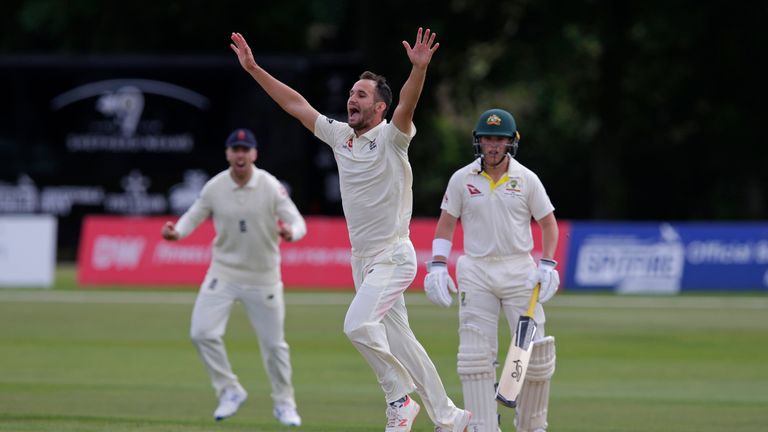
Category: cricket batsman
[495,197]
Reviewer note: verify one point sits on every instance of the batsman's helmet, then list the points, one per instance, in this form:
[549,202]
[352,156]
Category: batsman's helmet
[496,122]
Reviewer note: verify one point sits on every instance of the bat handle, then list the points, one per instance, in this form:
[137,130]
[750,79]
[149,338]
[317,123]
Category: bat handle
[534,299]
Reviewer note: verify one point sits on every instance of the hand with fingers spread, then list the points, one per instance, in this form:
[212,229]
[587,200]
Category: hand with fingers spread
[423,48]
[243,51]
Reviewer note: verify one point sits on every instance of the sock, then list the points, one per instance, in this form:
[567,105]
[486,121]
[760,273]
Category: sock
[400,402]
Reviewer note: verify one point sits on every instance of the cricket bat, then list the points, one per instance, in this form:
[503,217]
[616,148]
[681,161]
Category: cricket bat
[516,364]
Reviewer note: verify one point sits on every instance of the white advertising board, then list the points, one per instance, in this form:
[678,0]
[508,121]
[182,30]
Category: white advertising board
[27,250]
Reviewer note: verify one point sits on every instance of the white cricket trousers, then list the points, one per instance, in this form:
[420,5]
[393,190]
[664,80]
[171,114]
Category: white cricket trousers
[266,311]
[377,324]
[489,285]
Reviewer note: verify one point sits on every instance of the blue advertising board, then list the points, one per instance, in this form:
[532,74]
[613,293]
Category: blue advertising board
[667,257]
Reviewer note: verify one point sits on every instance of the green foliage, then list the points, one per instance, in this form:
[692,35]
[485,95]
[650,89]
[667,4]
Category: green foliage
[610,96]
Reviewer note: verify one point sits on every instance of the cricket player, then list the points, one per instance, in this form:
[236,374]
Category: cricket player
[376,180]
[495,197]
[251,212]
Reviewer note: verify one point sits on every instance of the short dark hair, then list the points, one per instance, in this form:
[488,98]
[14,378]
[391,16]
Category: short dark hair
[383,92]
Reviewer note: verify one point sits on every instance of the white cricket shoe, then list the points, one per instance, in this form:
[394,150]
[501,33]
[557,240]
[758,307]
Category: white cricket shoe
[400,415]
[460,422]
[229,402]
[287,415]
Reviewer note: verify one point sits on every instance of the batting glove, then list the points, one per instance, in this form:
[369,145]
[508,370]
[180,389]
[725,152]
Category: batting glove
[438,284]
[547,276]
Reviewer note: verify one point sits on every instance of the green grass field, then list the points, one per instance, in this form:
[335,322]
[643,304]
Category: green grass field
[121,360]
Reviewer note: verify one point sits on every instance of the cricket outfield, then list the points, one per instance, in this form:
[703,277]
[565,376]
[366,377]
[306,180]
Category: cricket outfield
[121,360]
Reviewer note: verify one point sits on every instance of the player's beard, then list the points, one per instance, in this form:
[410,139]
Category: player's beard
[361,119]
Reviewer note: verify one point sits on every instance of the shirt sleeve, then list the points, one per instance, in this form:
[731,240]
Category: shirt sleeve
[330,131]
[538,200]
[401,140]
[287,212]
[452,200]
[200,211]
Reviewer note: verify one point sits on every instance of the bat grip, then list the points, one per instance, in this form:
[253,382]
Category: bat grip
[534,299]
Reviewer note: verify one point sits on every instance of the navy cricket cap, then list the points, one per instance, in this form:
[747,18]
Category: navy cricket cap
[241,137]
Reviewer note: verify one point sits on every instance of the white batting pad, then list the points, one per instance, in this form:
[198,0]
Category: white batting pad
[534,398]
[477,374]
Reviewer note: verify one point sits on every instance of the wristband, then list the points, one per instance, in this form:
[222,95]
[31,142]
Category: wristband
[436,264]
[548,262]
[441,247]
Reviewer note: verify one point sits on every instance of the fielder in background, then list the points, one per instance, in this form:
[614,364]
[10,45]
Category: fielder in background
[376,190]
[495,197]
[251,213]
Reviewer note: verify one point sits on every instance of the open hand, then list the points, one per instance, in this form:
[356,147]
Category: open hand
[243,51]
[421,53]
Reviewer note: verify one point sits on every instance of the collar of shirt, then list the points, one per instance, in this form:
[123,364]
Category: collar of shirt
[251,183]
[371,134]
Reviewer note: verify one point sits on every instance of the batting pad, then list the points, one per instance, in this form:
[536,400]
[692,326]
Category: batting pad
[477,374]
[533,402]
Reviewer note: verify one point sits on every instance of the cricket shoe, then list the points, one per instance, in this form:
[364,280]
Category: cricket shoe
[400,415]
[287,415]
[460,423]
[229,402]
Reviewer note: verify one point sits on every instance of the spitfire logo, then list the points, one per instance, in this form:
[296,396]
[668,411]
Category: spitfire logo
[493,120]
[473,190]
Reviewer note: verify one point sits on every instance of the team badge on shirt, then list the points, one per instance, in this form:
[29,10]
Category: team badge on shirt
[513,186]
[372,145]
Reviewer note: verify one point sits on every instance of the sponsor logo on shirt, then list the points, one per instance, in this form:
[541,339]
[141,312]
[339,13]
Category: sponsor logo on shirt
[473,191]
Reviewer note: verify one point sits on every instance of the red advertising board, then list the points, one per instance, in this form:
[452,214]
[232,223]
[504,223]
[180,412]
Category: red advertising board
[130,251]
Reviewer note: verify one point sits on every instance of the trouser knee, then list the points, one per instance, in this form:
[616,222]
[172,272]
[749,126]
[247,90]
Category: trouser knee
[357,333]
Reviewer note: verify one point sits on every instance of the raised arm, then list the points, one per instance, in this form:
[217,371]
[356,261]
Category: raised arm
[289,99]
[420,55]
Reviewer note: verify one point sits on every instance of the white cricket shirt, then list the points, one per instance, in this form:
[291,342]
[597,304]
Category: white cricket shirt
[376,182]
[496,219]
[246,246]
